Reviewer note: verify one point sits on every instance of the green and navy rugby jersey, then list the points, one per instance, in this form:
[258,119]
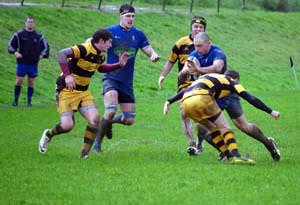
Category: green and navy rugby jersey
[124,40]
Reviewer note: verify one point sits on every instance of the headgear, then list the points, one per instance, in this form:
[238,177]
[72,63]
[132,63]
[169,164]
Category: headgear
[200,20]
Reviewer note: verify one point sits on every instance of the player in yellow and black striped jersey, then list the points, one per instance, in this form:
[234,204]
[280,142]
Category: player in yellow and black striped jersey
[198,103]
[78,65]
[180,52]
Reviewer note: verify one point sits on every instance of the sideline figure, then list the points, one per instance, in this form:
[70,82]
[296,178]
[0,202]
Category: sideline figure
[198,103]
[118,85]
[180,52]
[29,47]
[208,58]
[72,87]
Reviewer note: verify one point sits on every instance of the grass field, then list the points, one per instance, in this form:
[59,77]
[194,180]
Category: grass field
[146,163]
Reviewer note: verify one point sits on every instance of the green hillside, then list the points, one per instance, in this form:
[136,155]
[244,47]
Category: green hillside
[257,43]
[147,163]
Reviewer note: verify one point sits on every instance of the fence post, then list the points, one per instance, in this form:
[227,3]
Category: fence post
[218,6]
[191,6]
[99,5]
[62,3]
[22,2]
[164,5]
[243,4]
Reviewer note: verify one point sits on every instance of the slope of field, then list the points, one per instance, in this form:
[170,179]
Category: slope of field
[146,163]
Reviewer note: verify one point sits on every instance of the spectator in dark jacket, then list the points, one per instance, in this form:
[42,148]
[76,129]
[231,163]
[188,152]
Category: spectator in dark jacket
[29,47]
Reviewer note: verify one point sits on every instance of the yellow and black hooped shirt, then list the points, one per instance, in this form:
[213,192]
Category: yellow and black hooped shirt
[85,61]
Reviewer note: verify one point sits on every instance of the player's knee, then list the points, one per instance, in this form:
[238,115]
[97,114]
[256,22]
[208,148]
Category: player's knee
[94,121]
[67,126]
[19,82]
[128,118]
[242,125]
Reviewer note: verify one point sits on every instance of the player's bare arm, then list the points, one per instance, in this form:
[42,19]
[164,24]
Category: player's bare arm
[62,59]
[149,51]
[166,69]
[216,67]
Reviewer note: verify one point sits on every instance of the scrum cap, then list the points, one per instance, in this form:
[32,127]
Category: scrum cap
[200,20]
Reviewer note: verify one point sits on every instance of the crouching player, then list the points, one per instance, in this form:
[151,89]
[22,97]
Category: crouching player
[78,64]
[199,104]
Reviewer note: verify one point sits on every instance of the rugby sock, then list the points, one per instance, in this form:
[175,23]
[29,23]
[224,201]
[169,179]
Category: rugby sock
[217,141]
[17,93]
[117,118]
[88,140]
[231,142]
[101,129]
[30,91]
[56,131]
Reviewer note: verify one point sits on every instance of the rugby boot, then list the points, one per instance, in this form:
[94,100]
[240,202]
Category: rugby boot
[241,160]
[14,103]
[275,153]
[43,145]
[84,154]
[192,149]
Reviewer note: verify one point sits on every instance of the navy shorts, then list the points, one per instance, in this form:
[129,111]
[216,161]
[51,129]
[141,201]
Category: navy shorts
[124,95]
[232,105]
[30,70]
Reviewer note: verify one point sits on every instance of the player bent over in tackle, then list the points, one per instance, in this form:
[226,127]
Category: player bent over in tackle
[199,104]
[73,83]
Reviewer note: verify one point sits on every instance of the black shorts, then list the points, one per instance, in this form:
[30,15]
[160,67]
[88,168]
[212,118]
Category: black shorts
[232,105]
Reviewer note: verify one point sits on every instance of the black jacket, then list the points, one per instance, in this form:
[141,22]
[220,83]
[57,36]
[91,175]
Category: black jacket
[31,45]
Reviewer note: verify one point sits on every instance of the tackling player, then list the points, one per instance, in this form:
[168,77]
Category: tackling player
[213,60]
[198,103]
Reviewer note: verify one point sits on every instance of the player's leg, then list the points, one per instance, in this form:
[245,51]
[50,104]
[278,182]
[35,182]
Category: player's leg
[127,117]
[188,128]
[126,100]
[65,125]
[230,141]
[214,125]
[67,103]
[32,74]
[235,111]
[214,137]
[110,106]
[30,90]
[200,108]
[255,132]
[20,74]
[90,113]
[227,134]
[127,114]
[201,135]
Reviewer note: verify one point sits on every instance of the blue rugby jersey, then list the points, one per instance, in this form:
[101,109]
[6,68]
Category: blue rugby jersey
[124,40]
[214,53]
